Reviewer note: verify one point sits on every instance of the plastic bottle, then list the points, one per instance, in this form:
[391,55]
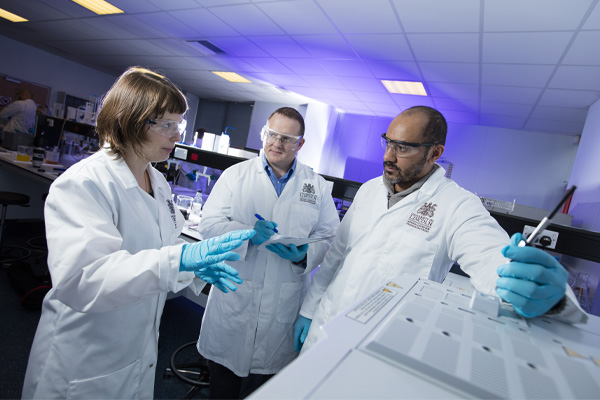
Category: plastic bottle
[197,204]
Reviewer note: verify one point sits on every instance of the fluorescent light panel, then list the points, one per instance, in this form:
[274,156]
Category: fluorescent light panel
[231,76]
[405,87]
[100,7]
[11,17]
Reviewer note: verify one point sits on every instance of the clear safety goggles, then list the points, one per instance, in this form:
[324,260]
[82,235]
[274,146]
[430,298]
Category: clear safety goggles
[400,148]
[167,127]
[269,136]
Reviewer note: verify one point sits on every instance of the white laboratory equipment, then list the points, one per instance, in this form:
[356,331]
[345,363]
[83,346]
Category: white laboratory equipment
[414,338]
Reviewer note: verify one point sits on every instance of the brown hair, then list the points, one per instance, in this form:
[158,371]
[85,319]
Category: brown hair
[290,113]
[136,96]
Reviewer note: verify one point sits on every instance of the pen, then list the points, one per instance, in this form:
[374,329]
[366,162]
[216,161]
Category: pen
[262,219]
[545,222]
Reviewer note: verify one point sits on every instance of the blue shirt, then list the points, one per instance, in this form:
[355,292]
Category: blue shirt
[280,183]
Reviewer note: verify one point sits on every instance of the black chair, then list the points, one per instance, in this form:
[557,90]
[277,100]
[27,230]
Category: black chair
[11,253]
[190,367]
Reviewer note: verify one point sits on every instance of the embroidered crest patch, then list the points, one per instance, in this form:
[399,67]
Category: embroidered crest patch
[308,193]
[423,218]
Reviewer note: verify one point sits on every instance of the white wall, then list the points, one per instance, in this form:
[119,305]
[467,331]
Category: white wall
[585,206]
[27,63]
[320,121]
[260,113]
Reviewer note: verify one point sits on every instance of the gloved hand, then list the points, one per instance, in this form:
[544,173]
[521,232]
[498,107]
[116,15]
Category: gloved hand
[206,258]
[292,253]
[301,328]
[533,282]
[264,230]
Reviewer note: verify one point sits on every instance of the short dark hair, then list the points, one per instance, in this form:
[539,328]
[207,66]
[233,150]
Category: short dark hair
[436,128]
[291,113]
[137,95]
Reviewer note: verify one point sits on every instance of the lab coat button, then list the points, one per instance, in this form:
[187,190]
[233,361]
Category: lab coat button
[151,365]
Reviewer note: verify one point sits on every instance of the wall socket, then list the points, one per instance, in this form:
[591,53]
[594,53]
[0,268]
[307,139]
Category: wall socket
[551,234]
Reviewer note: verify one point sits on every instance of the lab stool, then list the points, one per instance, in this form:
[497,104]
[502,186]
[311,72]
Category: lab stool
[190,367]
[11,253]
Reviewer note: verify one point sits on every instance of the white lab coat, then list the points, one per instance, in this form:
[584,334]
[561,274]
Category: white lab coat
[251,330]
[423,234]
[21,114]
[98,333]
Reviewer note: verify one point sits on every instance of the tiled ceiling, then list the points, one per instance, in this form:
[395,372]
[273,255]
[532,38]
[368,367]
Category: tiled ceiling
[522,64]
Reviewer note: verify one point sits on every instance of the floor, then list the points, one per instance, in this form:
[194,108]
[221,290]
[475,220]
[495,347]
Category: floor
[180,324]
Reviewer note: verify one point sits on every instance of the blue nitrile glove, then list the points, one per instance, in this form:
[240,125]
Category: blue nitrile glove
[264,230]
[292,253]
[533,282]
[301,328]
[206,258]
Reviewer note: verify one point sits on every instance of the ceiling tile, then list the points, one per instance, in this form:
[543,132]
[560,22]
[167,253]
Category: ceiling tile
[560,114]
[239,46]
[391,47]
[373,97]
[395,70]
[579,52]
[568,98]
[517,95]
[442,15]
[516,74]
[455,91]
[303,66]
[460,117]
[506,109]
[453,47]
[204,22]
[359,16]
[298,17]
[247,19]
[132,7]
[267,65]
[40,11]
[593,21]
[339,94]
[106,28]
[501,120]
[326,46]
[324,81]
[534,47]
[211,3]
[279,46]
[167,24]
[139,28]
[346,68]
[450,72]
[585,78]
[406,100]
[173,4]
[363,84]
[455,104]
[533,15]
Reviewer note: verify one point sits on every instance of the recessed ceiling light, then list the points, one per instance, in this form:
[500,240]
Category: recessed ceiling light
[11,17]
[231,76]
[100,7]
[405,87]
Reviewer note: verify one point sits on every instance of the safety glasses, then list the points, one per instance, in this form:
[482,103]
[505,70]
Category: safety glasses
[400,148]
[269,136]
[167,127]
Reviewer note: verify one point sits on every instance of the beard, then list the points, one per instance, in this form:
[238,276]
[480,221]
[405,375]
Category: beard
[406,175]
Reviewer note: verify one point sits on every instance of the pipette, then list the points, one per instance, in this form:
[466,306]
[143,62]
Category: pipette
[545,222]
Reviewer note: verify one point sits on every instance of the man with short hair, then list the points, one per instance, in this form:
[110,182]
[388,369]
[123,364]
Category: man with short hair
[20,114]
[413,220]
[251,333]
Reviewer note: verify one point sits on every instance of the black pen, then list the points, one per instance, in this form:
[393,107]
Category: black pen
[545,222]
[262,219]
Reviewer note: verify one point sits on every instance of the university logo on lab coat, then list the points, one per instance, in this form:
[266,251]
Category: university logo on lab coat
[307,194]
[423,218]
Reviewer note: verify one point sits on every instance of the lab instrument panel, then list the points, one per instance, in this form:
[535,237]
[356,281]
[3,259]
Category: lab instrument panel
[413,338]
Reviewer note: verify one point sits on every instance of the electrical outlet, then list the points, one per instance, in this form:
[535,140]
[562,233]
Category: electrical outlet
[553,236]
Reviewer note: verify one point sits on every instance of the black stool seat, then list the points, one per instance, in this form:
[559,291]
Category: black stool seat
[11,253]
[13,199]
